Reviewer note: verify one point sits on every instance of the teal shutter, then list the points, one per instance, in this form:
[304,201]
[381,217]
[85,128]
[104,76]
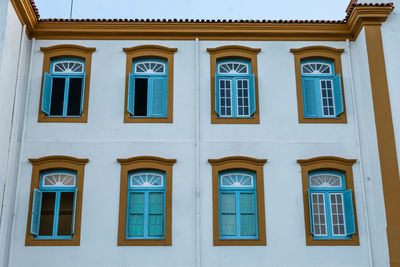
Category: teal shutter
[349,214]
[36,209]
[158,98]
[252,92]
[46,93]
[131,94]
[247,215]
[216,95]
[309,98]
[73,213]
[136,216]
[83,91]
[337,93]
[228,214]
[156,208]
[311,213]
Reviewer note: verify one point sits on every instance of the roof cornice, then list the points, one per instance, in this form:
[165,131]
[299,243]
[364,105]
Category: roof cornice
[358,15]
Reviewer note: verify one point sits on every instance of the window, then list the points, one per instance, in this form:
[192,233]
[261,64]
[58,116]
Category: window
[238,201]
[149,84]
[234,88]
[238,206]
[146,209]
[319,85]
[65,86]
[322,90]
[147,96]
[145,202]
[330,215]
[54,216]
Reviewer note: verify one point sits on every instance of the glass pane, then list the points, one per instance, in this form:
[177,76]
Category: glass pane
[156,225]
[74,97]
[137,203]
[57,96]
[65,213]
[318,213]
[247,225]
[228,224]
[228,203]
[136,225]
[246,203]
[337,214]
[140,103]
[47,214]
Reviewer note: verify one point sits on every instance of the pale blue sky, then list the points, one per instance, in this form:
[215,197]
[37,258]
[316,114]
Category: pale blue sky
[195,9]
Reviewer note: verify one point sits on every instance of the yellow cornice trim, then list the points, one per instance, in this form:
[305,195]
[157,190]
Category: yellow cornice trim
[58,158]
[26,15]
[360,16]
[149,47]
[79,48]
[138,159]
[247,49]
[298,51]
[326,159]
[216,162]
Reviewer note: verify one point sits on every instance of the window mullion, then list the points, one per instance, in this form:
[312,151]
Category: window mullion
[328,216]
[149,96]
[66,94]
[237,200]
[234,96]
[56,213]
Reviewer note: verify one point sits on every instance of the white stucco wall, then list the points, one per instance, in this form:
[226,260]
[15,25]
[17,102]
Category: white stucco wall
[279,138]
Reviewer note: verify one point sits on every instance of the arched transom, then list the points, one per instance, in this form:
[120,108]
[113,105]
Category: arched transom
[146,179]
[68,67]
[150,67]
[237,180]
[316,68]
[233,68]
[59,179]
[325,180]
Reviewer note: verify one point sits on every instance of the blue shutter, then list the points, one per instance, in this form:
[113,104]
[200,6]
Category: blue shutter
[252,92]
[73,213]
[158,98]
[309,98]
[247,216]
[131,93]
[337,93]
[228,214]
[83,91]
[36,209]
[216,95]
[46,93]
[349,214]
[156,208]
[311,213]
[136,216]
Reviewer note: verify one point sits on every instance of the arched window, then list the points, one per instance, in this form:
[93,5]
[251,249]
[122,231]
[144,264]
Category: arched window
[63,88]
[54,204]
[234,85]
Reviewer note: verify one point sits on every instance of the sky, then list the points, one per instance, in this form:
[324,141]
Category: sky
[195,9]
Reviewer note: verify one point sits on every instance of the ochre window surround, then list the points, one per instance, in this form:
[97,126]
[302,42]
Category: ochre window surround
[55,163]
[317,52]
[150,51]
[234,52]
[335,164]
[137,164]
[64,51]
[239,163]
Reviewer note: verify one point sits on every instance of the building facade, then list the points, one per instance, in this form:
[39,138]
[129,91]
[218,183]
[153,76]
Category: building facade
[199,143]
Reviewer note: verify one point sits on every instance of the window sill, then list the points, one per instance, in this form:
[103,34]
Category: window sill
[129,119]
[144,242]
[31,241]
[80,119]
[341,119]
[229,120]
[240,242]
[352,241]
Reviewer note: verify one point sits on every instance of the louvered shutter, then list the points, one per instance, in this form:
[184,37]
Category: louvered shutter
[83,91]
[159,97]
[217,95]
[252,92]
[349,213]
[309,98]
[136,214]
[36,210]
[131,94]
[337,92]
[73,212]
[46,93]
[247,214]
[156,210]
[228,214]
[311,213]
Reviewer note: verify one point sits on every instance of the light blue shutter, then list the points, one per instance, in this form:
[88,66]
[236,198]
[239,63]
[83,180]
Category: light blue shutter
[228,216]
[252,92]
[348,212]
[309,98]
[337,91]
[73,213]
[136,214]
[158,98]
[216,95]
[83,91]
[46,93]
[156,207]
[247,216]
[131,94]
[36,209]
[311,213]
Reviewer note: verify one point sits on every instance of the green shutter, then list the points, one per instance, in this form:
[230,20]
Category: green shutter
[252,94]
[349,213]
[131,94]
[216,107]
[228,214]
[337,93]
[73,212]
[83,92]
[156,210]
[36,209]
[309,98]
[158,97]
[136,217]
[46,93]
[311,213]
[247,214]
